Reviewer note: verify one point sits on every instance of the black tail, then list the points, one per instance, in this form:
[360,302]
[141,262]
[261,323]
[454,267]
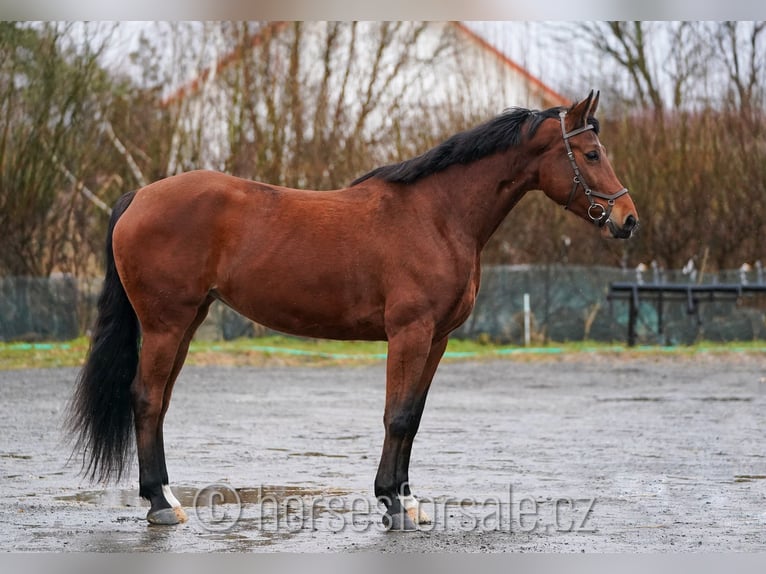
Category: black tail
[101,412]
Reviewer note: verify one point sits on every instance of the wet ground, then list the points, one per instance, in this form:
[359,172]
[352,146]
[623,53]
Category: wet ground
[600,456]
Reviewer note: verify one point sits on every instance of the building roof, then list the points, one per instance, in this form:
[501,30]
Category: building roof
[548,94]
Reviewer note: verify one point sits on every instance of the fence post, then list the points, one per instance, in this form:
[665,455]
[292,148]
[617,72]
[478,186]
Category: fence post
[527,320]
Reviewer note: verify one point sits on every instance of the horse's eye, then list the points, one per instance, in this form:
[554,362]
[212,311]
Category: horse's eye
[592,156]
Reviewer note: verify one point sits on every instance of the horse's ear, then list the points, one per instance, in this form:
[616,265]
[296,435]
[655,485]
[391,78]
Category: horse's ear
[594,105]
[578,114]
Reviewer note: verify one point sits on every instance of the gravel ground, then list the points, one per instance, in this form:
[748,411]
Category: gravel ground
[608,455]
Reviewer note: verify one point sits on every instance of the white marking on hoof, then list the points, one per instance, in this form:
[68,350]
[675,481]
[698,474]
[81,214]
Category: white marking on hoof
[412,506]
[174,503]
[169,496]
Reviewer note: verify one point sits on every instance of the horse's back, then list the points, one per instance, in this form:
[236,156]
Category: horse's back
[196,206]
[272,253]
[193,189]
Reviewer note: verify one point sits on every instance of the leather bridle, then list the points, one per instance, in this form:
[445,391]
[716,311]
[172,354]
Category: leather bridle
[596,211]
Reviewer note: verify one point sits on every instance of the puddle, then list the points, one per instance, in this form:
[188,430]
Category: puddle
[749,477]
[646,399]
[186,495]
[248,517]
[631,400]
[320,454]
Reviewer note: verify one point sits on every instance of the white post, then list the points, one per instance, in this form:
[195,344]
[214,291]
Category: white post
[527,314]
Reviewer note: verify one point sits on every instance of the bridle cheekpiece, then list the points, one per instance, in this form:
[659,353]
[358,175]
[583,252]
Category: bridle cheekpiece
[596,211]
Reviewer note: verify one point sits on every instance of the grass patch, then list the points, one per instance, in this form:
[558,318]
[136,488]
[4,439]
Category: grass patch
[281,350]
[43,355]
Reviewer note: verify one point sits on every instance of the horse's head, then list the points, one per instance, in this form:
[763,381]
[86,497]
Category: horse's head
[579,176]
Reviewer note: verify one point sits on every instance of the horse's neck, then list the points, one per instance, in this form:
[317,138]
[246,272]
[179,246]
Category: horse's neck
[480,195]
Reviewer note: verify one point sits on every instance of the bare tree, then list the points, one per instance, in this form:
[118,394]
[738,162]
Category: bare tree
[303,104]
[657,66]
[686,62]
[740,50]
[628,45]
[49,102]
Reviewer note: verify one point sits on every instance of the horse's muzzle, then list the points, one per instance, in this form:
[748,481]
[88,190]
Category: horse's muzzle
[629,226]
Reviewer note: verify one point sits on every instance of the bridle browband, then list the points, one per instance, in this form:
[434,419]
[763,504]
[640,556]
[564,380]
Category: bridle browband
[599,218]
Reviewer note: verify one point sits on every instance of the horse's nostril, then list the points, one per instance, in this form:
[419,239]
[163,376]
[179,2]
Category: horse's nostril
[630,222]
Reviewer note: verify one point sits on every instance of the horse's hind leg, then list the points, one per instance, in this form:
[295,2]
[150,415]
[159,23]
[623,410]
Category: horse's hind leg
[162,339]
[183,350]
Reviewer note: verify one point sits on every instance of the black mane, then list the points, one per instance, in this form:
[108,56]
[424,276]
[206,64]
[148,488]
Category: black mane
[496,135]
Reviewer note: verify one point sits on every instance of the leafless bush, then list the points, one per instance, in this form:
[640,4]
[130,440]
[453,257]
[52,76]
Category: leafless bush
[50,134]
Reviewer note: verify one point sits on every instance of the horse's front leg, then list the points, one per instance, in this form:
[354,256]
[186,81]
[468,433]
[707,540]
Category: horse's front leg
[409,370]
[409,501]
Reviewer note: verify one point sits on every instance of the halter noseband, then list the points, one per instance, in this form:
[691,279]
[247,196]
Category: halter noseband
[597,212]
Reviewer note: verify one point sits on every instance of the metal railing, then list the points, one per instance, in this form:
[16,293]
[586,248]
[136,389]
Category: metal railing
[691,294]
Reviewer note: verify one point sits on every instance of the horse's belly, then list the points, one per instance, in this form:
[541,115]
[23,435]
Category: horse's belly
[311,314]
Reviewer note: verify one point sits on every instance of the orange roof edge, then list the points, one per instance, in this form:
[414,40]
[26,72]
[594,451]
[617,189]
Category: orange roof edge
[274,27]
[557,98]
[194,85]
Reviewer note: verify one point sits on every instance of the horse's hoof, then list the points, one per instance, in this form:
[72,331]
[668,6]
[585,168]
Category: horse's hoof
[180,514]
[399,522]
[163,517]
[418,515]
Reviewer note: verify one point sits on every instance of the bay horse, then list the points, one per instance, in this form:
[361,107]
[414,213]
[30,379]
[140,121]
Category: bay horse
[395,256]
